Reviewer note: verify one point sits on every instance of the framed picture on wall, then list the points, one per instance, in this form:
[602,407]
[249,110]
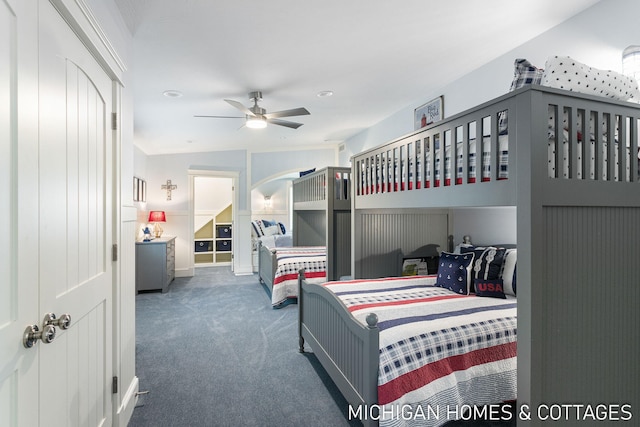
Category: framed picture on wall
[139,190]
[428,113]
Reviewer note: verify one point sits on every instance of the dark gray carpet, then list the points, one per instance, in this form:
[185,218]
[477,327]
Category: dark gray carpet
[212,352]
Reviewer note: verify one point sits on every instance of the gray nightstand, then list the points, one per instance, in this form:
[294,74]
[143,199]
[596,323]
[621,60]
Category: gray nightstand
[155,264]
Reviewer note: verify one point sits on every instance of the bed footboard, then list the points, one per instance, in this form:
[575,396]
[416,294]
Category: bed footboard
[267,265]
[347,350]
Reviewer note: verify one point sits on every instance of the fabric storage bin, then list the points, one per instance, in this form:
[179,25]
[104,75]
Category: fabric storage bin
[204,246]
[223,231]
[223,245]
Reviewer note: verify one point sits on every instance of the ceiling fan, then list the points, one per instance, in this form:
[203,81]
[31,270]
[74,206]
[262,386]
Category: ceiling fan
[257,117]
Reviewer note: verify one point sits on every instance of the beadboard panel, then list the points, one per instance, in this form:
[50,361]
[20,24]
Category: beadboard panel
[342,244]
[403,230]
[589,306]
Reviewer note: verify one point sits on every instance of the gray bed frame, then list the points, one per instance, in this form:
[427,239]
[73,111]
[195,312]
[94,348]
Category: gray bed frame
[267,264]
[578,247]
[321,217]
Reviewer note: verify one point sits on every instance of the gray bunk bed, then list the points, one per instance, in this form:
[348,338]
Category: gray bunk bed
[321,219]
[549,154]
[322,216]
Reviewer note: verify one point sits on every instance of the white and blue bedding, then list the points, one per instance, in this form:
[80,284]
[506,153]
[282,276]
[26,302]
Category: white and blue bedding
[438,349]
[313,259]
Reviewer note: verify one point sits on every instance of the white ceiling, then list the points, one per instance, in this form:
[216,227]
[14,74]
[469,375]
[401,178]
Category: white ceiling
[378,57]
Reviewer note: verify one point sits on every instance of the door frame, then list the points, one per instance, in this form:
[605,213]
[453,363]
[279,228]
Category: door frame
[235,178]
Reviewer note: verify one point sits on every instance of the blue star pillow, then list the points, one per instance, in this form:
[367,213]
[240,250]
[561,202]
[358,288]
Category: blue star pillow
[454,272]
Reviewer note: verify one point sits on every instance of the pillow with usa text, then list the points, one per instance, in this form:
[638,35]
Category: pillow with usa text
[489,288]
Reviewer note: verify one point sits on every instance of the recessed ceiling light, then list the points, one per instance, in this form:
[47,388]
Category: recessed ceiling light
[172,93]
[325,93]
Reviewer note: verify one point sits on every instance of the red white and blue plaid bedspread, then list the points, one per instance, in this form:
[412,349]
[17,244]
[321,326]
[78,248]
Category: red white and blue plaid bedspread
[289,260]
[440,350]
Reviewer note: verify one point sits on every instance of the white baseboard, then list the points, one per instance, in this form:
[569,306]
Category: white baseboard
[129,401]
[185,272]
[244,270]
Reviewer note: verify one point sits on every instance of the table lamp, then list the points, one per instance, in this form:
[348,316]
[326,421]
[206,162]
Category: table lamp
[156,217]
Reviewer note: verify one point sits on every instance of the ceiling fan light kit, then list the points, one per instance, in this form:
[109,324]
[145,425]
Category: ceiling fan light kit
[258,122]
[257,117]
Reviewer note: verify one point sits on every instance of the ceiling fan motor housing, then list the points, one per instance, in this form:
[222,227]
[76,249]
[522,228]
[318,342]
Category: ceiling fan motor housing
[258,111]
[255,96]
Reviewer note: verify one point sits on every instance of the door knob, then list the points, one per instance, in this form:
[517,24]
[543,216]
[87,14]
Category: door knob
[48,333]
[63,322]
[33,333]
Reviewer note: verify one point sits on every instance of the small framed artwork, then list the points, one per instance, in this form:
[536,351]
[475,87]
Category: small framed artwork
[139,190]
[428,113]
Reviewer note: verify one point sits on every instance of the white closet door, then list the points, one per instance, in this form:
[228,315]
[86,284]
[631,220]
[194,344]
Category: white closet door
[75,225]
[56,202]
[18,211]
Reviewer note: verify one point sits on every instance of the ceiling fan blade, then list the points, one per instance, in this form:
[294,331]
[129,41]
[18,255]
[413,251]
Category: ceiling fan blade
[222,117]
[240,107]
[292,125]
[288,113]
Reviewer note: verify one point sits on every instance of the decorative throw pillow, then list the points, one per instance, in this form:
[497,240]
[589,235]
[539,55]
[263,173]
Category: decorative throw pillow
[272,230]
[563,72]
[307,172]
[525,73]
[513,280]
[487,262]
[283,230]
[489,288]
[267,223]
[454,272]
[257,227]
[509,272]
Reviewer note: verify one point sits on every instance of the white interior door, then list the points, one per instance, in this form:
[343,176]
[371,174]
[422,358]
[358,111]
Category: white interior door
[18,211]
[75,225]
[56,179]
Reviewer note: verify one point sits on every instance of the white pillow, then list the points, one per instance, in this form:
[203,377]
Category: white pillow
[272,230]
[508,272]
[563,72]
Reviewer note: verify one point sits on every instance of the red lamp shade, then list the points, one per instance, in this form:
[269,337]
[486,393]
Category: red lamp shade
[157,216]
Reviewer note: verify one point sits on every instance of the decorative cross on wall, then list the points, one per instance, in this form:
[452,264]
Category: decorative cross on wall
[168,187]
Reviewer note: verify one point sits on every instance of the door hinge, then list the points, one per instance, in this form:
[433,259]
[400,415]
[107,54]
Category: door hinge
[114,252]
[114,385]
[114,121]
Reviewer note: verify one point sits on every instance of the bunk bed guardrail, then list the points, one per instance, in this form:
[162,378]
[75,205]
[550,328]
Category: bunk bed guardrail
[453,157]
[317,186]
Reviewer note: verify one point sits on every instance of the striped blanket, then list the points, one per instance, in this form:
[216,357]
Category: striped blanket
[440,353]
[289,260]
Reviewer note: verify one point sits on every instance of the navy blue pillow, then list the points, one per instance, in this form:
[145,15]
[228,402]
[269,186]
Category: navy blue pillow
[268,223]
[283,230]
[307,172]
[490,288]
[454,272]
[487,262]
